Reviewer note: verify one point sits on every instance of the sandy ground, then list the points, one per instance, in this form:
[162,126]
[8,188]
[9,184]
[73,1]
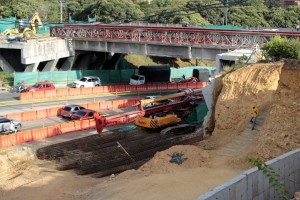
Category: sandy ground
[157,179]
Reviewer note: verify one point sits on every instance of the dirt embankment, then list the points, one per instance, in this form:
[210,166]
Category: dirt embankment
[280,132]
[275,89]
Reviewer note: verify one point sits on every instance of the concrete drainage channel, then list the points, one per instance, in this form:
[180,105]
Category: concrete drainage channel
[253,184]
[111,153]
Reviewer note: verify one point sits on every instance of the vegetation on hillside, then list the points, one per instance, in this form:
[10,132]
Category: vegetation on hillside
[266,13]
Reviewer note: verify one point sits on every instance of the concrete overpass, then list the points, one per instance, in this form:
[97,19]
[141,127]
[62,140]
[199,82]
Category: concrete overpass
[80,46]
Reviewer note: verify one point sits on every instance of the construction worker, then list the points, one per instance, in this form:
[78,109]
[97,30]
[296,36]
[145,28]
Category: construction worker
[254,113]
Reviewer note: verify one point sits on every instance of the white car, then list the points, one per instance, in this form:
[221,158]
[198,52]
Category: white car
[87,81]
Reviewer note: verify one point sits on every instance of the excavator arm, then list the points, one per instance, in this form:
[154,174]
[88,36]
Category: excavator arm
[32,21]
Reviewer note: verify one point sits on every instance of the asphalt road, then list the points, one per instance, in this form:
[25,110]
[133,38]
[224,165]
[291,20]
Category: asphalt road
[9,102]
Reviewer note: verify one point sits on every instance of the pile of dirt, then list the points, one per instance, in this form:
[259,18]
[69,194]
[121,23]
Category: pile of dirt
[252,85]
[194,157]
[280,132]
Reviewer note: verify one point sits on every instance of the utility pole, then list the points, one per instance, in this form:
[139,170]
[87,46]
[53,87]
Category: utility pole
[61,10]
[226,12]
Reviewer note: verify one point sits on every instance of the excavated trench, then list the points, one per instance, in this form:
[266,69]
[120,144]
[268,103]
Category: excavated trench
[111,153]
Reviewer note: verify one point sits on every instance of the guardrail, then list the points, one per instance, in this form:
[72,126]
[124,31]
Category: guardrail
[54,112]
[107,89]
[45,132]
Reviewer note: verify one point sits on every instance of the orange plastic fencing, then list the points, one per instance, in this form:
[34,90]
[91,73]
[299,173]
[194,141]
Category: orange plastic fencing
[74,91]
[141,88]
[105,88]
[53,112]
[50,93]
[172,86]
[120,88]
[85,124]
[192,85]
[17,116]
[53,130]
[163,86]
[29,116]
[130,88]
[24,136]
[92,123]
[94,106]
[77,125]
[62,92]
[98,90]
[38,95]
[86,91]
[39,133]
[8,140]
[151,86]
[42,114]
[67,127]
[25,96]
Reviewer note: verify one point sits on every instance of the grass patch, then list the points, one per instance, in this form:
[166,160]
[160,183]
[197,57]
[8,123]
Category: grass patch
[6,79]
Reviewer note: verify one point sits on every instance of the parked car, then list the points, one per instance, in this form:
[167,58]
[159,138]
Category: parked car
[83,114]
[87,81]
[40,86]
[9,125]
[69,110]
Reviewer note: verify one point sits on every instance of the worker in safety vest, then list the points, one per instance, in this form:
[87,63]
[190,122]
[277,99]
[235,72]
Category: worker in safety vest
[254,113]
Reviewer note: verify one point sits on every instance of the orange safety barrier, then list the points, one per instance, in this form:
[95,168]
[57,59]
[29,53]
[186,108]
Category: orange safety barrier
[172,86]
[29,116]
[50,93]
[131,102]
[53,112]
[151,86]
[74,91]
[67,127]
[24,136]
[182,85]
[118,104]
[98,90]
[130,87]
[202,84]
[8,140]
[141,88]
[77,125]
[17,116]
[162,86]
[54,130]
[120,88]
[192,85]
[62,92]
[105,88]
[111,88]
[86,91]
[25,96]
[85,124]
[94,106]
[42,114]
[92,123]
[38,94]
[39,133]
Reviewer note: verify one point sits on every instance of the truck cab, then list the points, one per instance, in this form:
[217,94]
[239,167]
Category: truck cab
[137,79]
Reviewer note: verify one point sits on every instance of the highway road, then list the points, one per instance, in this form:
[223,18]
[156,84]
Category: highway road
[9,102]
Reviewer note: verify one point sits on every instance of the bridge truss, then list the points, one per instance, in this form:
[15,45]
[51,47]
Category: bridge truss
[185,36]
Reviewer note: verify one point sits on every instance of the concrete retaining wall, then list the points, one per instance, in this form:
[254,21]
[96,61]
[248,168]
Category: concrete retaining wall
[253,184]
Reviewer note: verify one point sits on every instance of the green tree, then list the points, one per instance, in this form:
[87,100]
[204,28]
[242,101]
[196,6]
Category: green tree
[279,48]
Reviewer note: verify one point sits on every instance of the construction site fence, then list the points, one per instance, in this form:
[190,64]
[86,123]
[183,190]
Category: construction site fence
[107,89]
[64,78]
[46,132]
[54,112]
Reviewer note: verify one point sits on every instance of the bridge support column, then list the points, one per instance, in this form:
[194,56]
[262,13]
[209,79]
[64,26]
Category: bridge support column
[5,66]
[50,66]
[32,67]
[67,65]
[85,61]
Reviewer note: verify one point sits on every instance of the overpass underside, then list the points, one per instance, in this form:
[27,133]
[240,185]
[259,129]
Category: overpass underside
[55,54]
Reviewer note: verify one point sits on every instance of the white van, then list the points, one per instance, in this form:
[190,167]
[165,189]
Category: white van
[87,81]
[137,79]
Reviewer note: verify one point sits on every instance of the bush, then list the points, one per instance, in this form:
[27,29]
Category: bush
[6,79]
[280,48]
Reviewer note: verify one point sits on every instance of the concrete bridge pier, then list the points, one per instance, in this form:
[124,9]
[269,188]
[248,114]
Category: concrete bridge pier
[5,65]
[67,64]
[51,66]
[32,67]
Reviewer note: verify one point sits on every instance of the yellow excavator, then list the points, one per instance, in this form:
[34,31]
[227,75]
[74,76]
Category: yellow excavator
[24,29]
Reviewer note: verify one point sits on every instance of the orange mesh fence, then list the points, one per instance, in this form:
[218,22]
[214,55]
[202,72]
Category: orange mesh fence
[38,95]
[86,91]
[17,116]
[50,93]
[62,92]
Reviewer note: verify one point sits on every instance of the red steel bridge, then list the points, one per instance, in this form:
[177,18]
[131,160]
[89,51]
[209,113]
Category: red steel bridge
[177,36]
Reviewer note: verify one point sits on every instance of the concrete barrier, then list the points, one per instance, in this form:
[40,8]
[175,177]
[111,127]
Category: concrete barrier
[253,184]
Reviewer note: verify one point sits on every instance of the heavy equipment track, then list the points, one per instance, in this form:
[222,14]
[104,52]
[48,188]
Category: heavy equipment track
[106,154]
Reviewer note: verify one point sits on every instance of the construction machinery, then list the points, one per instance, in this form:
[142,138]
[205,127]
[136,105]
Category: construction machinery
[24,29]
[158,113]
